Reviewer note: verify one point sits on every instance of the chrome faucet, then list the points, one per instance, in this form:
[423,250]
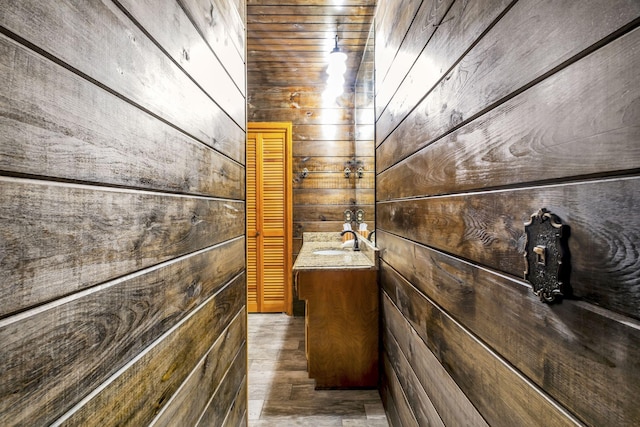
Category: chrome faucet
[356,247]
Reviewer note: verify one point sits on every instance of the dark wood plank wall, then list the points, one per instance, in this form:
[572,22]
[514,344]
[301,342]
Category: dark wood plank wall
[487,111]
[122,289]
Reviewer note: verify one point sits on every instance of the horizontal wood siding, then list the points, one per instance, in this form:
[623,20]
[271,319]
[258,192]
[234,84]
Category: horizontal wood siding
[123,288]
[175,359]
[425,374]
[189,403]
[323,144]
[555,130]
[498,110]
[320,198]
[433,44]
[82,133]
[470,87]
[364,133]
[288,41]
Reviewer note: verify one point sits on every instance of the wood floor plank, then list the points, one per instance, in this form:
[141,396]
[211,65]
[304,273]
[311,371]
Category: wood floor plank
[286,395]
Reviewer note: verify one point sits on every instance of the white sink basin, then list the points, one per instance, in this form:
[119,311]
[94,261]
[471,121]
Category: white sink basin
[329,252]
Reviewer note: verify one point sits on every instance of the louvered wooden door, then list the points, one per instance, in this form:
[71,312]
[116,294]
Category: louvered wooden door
[269,221]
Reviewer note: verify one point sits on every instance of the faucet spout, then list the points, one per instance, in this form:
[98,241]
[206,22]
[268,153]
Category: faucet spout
[356,246]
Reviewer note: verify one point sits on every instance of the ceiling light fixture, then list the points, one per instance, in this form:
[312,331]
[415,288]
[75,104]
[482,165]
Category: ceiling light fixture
[337,61]
[336,69]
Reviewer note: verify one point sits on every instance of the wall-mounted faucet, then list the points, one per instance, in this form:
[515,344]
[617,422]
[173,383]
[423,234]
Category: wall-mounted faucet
[356,246]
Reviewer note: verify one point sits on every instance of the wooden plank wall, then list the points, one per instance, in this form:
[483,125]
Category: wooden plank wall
[323,143]
[364,133]
[122,273]
[288,43]
[487,111]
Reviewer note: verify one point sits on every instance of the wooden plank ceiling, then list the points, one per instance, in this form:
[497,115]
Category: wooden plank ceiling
[288,41]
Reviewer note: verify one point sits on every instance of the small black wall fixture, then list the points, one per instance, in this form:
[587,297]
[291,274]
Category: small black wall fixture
[546,255]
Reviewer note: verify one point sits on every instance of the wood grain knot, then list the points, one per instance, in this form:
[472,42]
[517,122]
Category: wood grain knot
[456,118]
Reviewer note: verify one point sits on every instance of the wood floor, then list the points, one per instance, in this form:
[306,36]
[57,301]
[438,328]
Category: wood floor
[280,391]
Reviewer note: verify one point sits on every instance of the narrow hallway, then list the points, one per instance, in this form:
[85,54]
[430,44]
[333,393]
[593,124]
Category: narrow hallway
[280,391]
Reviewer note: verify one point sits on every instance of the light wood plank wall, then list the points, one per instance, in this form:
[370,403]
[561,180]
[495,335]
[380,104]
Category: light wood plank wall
[323,143]
[122,273]
[287,48]
[487,111]
[364,132]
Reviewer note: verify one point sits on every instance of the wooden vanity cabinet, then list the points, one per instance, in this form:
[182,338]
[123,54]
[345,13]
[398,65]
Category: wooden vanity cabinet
[342,326]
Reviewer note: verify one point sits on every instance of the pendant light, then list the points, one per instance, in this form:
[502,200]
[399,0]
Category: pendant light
[337,61]
[336,69]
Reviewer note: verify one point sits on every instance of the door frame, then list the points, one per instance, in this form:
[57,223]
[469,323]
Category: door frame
[266,127]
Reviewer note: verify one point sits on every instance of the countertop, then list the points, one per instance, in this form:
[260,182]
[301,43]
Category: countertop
[366,258]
